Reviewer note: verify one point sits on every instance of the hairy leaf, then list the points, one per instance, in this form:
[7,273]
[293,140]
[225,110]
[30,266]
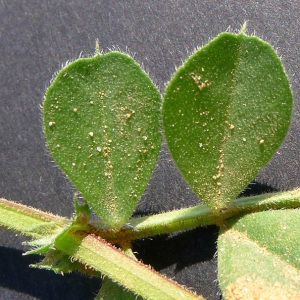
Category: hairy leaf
[102,124]
[259,256]
[225,113]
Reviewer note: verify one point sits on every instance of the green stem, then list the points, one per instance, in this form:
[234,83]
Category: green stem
[95,251]
[27,220]
[137,277]
[127,250]
[200,215]
[22,218]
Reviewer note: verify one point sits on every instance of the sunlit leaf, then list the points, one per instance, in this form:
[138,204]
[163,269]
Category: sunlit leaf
[102,124]
[225,113]
[259,256]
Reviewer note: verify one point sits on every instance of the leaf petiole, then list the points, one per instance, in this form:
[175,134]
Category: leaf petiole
[199,215]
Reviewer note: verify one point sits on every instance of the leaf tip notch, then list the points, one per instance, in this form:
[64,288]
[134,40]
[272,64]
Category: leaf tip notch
[97,48]
[244,28]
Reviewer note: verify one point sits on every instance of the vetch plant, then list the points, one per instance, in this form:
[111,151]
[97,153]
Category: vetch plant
[224,114]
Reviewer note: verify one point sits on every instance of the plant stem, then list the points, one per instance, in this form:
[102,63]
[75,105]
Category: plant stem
[22,218]
[200,215]
[137,277]
[96,252]
[28,220]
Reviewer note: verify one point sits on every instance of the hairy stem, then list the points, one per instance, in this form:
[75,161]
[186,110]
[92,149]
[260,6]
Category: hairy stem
[27,219]
[135,276]
[91,247]
[22,218]
[200,215]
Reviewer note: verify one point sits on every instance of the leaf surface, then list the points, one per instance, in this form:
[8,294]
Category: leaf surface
[102,124]
[226,111]
[259,256]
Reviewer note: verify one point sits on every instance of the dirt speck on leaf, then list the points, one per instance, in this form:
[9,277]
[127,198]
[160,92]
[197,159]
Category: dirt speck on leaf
[258,289]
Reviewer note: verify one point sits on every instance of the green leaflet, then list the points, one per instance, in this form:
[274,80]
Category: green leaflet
[225,113]
[259,256]
[102,124]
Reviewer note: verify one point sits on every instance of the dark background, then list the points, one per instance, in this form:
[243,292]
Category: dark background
[36,37]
